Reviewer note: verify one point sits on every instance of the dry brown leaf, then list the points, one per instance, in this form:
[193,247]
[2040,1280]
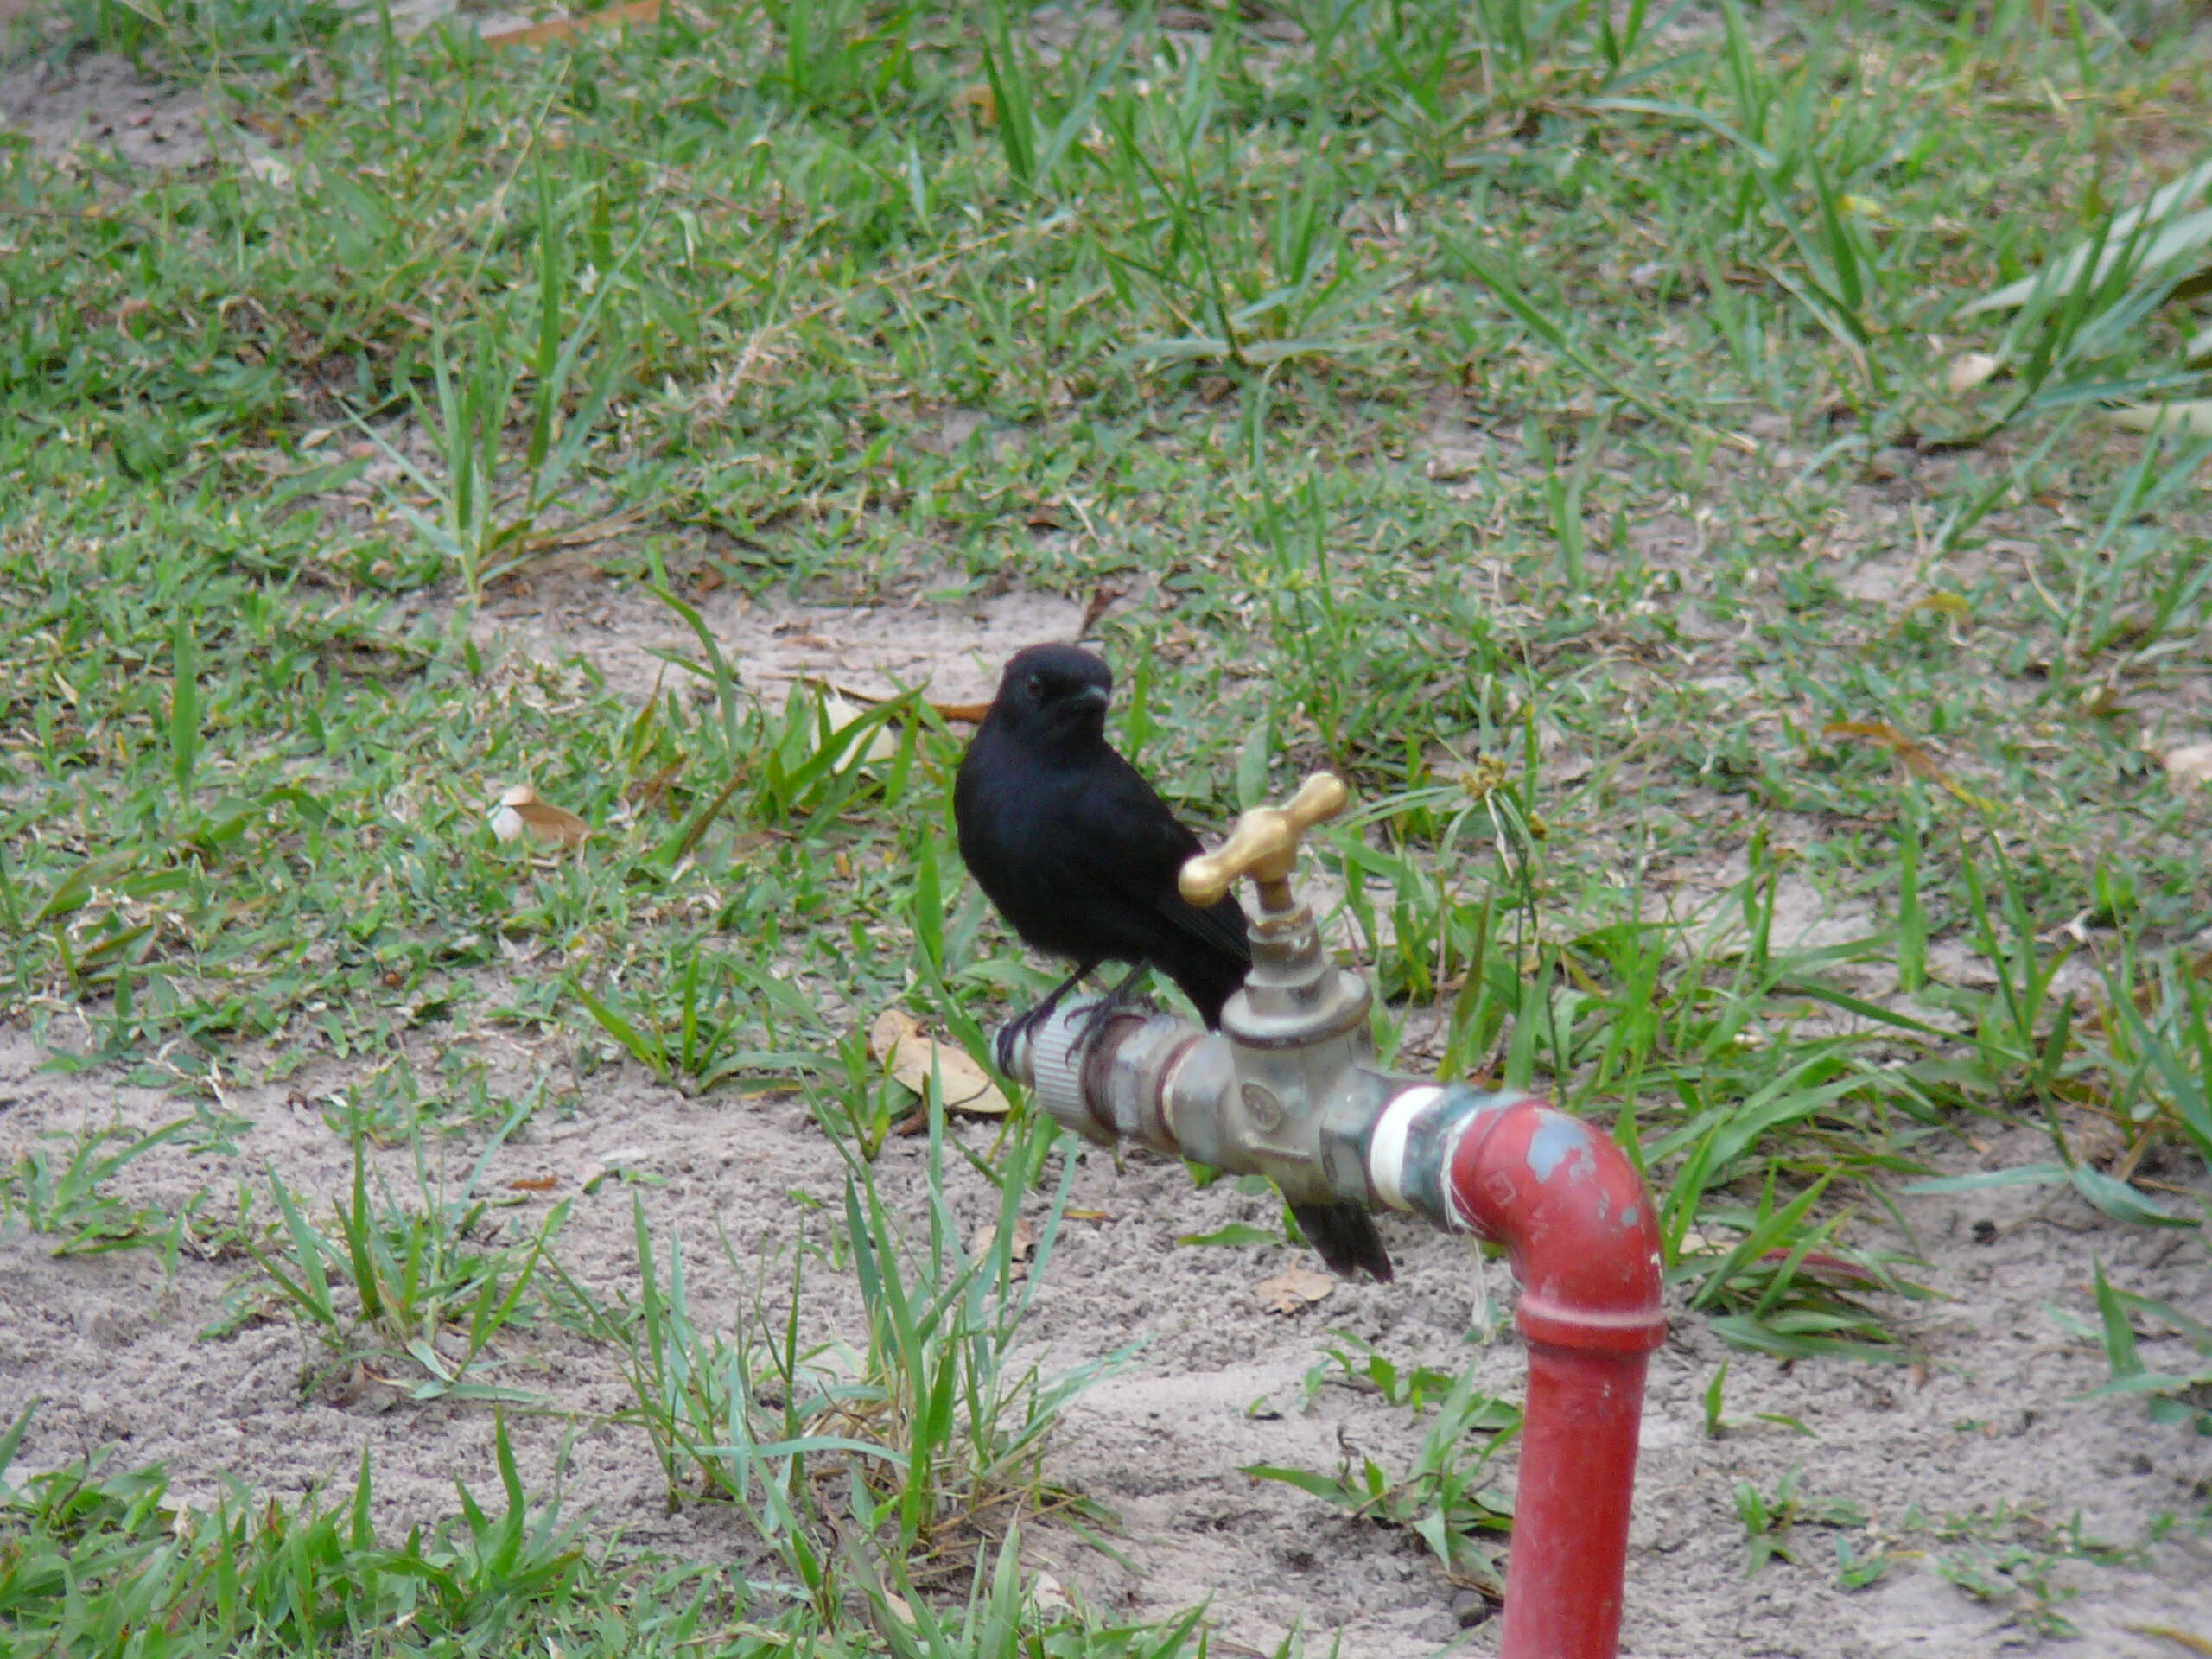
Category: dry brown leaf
[1294,1288]
[1101,601]
[563,29]
[1955,609]
[849,694]
[1968,370]
[970,712]
[980,100]
[519,809]
[534,1183]
[2188,1641]
[1908,752]
[1954,606]
[647,793]
[1019,1252]
[2189,765]
[897,1039]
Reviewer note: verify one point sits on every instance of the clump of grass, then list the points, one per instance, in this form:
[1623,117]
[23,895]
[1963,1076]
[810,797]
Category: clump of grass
[1770,1518]
[64,1199]
[1444,1495]
[911,1441]
[2177,1399]
[385,1280]
[98,1555]
[2005,1557]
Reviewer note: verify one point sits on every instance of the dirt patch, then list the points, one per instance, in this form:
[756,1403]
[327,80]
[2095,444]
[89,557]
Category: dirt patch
[101,101]
[951,650]
[1993,1424]
[65,100]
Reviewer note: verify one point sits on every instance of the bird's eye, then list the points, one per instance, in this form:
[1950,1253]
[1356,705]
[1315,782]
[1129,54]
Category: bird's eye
[1036,686]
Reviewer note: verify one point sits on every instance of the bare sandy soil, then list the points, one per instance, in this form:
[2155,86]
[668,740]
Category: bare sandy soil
[951,651]
[102,105]
[99,100]
[1992,1422]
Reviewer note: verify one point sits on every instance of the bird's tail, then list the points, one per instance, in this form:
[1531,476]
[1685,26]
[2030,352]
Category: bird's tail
[1344,1235]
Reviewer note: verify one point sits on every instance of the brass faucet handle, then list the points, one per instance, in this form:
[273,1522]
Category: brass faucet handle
[1264,845]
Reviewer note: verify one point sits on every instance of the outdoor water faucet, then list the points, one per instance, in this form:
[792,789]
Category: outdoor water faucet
[1286,1090]
[1299,1026]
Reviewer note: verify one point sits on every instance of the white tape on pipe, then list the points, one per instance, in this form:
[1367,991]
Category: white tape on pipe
[1386,1148]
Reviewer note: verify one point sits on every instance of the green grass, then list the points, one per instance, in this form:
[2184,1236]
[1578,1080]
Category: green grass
[1445,1496]
[938,1434]
[1541,415]
[426,1282]
[62,1198]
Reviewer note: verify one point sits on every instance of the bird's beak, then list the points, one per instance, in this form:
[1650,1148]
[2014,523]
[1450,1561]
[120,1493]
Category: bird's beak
[1095,696]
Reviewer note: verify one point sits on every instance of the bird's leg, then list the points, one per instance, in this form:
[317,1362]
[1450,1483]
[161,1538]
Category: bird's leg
[1110,1004]
[1022,1023]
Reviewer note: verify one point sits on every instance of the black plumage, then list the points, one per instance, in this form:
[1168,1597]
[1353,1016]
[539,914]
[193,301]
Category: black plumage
[1081,856]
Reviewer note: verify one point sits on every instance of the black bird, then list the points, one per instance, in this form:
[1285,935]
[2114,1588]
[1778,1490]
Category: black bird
[1081,856]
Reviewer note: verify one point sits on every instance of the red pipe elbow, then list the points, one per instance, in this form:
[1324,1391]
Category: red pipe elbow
[1574,1215]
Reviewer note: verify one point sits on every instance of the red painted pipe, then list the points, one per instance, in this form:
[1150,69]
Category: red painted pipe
[1575,1217]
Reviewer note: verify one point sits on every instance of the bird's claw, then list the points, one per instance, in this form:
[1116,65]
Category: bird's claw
[1010,1036]
[1102,1012]
[1097,1014]
[1002,1049]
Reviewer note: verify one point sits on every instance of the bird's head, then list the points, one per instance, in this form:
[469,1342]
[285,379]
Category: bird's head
[1054,692]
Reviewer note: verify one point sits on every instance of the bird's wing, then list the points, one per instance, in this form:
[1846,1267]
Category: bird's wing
[1158,845]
